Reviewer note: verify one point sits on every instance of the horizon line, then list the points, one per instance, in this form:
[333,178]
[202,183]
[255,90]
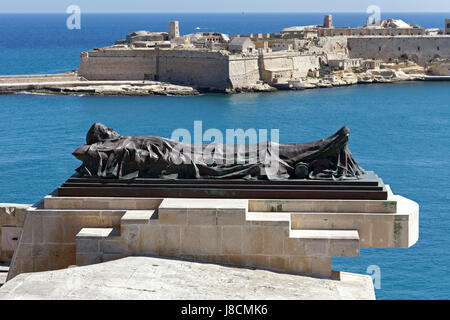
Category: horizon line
[230,12]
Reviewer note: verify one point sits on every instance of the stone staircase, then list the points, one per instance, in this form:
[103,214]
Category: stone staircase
[266,238]
[294,236]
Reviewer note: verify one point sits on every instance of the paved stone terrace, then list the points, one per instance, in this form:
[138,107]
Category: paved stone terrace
[158,278]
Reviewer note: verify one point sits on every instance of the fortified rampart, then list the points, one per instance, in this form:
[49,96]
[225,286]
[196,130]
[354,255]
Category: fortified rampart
[212,70]
[416,48]
[287,65]
[118,64]
[200,68]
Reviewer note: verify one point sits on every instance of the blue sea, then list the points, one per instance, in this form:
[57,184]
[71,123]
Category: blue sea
[401,131]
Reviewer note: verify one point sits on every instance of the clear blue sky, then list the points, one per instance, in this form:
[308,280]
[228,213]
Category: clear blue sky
[115,6]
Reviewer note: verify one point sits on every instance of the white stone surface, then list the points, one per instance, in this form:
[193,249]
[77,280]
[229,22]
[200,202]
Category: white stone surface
[177,203]
[137,216]
[157,278]
[95,232]
[325,234]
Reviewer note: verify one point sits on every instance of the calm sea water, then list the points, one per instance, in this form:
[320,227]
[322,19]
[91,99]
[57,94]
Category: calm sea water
[401,131]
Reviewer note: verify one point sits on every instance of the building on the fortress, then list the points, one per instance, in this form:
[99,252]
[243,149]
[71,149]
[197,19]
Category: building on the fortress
[241,44]
[174,30]
[218,62]
[389,27]
[328,21]
[210,40]
[447,26]
[345,64]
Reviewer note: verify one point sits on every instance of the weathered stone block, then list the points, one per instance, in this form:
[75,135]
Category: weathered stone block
[201,240]
[253,240]
[87,245]
[149,239]
[169,240]
[230,216]
[273,240]
[232,239]
[172,216]
[202,217]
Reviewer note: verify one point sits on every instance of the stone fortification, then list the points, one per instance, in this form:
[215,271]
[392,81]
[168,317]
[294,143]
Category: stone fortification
[206,69]
[416,48]
[201,68]
[287,65]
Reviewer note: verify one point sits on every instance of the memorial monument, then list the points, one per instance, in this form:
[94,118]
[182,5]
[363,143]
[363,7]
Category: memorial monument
[282,207]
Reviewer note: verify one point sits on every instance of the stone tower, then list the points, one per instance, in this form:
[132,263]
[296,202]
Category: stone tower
[328,21]
[447,26]
[174,30]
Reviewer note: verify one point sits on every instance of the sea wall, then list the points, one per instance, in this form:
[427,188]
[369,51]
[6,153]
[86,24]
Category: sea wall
[417,48]
[211,70]
[243,71]
[202,69]
[286,65]
[205,69]
[118,64]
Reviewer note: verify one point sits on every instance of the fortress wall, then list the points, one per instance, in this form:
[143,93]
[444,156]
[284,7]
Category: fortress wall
[302,64]
[418,48]
[213,70]
[243,71]
[118,65]
[201,69]
[288,64]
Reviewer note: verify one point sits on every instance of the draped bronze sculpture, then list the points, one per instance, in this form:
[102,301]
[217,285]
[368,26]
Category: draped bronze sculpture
[107,154]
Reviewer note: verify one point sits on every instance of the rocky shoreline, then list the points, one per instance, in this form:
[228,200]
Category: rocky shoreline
[71,84]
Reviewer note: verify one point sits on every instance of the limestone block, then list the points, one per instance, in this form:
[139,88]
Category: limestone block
[253,240]
[149,239]
[279,262]
[273,240]
[341,206]
[169,239]
[232,239]
[228,217]
[138,217]
[294,247]
[172,216]
[202,217]
[85,259]
[53,229]
[344,248]
[201,240]
[321,266]
[87,245]
[117,245]
[10,238]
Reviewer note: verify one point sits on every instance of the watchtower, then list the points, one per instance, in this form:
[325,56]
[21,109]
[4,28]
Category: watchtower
[174,30]
[328,21]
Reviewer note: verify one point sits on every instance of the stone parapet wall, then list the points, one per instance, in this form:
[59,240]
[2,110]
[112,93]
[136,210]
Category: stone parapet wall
[201,69]
[208,70]
[118,65]
[420,49]
[287,65]
[295,236]
[12,217]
